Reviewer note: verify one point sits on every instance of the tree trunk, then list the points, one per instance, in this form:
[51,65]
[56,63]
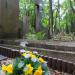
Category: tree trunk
[58,10]
[72,6]
[72,18]
[55,25]
[50,31]
[37,12]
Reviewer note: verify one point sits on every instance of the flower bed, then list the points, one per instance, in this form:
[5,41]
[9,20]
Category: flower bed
[29,63]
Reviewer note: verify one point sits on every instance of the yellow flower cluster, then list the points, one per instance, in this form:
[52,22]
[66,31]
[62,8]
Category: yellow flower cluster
[31,55]
[8,68]
[27,68]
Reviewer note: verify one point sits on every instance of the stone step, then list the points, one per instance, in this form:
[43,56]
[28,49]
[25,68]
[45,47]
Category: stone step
[54,45]
[65,55]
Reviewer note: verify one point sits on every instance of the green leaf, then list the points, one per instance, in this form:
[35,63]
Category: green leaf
[21,64]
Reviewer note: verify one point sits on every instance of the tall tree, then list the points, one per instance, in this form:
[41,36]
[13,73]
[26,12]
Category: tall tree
[37,12]
[72,16]
[58,10]
[50,31]
[71,5]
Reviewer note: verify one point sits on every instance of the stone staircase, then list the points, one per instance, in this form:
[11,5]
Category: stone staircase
[55,49]
[59,56]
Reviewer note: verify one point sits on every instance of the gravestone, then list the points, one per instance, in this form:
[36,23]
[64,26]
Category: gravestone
[9,18]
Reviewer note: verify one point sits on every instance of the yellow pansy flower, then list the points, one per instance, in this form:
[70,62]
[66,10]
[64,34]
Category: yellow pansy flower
[4,67]
[41,60]
[33,56]
[29,70]
[9,69]
[38,71]
[39,68]
[24,54]
[30,52]
[27,51]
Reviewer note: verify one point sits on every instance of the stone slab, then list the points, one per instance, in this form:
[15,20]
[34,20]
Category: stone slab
[2,57]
